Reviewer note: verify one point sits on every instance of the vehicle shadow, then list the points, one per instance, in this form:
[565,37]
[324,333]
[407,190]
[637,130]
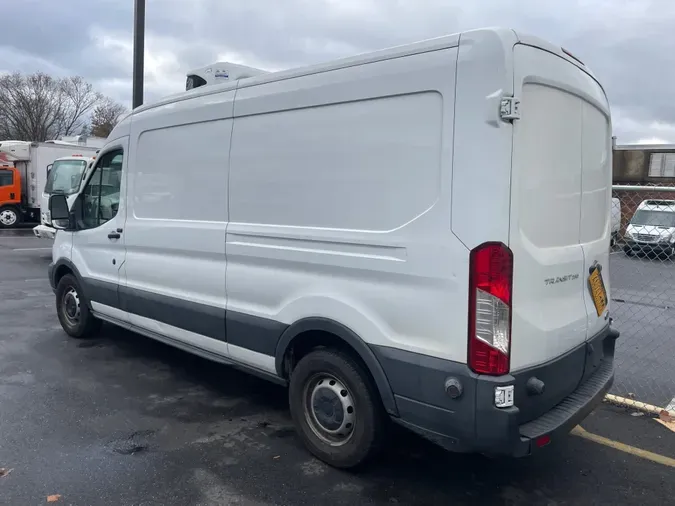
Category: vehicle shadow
[410,468]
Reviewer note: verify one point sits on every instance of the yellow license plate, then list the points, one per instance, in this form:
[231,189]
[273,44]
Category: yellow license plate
[598,291]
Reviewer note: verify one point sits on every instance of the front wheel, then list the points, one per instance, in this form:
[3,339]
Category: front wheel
[72,310]
[665,255]
[336,409]
[9,217]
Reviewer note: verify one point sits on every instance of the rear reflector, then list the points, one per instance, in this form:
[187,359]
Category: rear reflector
[542,441]
[490,285]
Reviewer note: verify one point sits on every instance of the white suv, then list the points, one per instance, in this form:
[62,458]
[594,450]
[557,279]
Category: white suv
[652,228]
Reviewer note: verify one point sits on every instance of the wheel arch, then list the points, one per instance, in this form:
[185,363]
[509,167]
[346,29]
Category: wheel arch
[347,337]
[65,266]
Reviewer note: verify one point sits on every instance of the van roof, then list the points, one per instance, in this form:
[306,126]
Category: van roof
[503,37]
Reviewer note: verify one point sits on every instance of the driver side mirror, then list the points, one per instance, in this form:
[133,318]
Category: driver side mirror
[58,209]
[49,168]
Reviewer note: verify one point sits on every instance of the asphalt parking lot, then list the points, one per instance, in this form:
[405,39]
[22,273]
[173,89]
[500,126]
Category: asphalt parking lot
[123,420]
[643,308]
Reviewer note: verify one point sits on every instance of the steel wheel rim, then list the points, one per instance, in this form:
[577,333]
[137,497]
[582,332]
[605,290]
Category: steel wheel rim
[8,217]
[329,409]
[71,306]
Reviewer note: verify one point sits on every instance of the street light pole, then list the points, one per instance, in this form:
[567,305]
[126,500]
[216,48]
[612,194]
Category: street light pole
[139,50]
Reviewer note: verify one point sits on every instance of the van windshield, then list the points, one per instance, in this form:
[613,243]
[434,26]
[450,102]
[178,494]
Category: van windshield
[65,176]
[654,218]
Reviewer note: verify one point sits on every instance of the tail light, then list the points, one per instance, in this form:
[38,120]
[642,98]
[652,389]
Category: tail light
[490,287]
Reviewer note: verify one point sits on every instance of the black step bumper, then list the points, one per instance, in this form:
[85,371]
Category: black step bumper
[472,422]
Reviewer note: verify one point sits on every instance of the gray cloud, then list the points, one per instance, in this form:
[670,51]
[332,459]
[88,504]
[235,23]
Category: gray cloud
[628,43]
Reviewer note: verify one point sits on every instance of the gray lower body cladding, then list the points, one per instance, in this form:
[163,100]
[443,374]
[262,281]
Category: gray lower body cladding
[254,333]
[574,385]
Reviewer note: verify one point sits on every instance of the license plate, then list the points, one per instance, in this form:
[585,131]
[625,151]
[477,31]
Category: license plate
[598,291]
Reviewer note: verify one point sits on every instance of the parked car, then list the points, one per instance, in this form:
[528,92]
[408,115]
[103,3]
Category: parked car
[386,234]
[652,228]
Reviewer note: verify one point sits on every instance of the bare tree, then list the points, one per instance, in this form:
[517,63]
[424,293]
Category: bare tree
[79,99]
[38,107]
[30,106]
[105,117]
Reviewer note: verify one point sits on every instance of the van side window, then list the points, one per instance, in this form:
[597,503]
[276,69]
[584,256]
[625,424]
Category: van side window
[6,178]
[101,197]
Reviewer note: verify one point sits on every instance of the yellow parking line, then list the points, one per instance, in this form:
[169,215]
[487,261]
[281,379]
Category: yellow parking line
[654,457]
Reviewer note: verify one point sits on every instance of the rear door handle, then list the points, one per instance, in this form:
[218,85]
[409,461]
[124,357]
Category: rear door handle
[113,235]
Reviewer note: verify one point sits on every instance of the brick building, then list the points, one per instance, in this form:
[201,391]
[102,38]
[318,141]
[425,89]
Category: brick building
[642,165]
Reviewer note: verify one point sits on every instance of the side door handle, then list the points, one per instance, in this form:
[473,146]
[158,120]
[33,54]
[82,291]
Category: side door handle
[114,235]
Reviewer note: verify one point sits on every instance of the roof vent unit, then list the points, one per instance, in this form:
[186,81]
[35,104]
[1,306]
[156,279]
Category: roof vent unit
[15,151]
[218,73]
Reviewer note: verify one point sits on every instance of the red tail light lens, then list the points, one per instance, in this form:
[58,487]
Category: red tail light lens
[490,286]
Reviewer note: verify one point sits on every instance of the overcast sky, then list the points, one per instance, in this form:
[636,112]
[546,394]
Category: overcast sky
[629,44]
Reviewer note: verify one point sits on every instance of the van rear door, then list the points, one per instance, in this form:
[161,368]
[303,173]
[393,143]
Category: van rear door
[560,206]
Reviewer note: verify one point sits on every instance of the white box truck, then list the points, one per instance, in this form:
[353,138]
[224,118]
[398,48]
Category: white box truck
[417,235]
[24,171]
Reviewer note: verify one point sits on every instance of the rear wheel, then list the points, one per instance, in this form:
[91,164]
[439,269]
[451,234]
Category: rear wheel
[73,311]
[336,409]
[9,217]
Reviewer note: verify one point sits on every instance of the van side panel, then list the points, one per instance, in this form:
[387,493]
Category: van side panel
[174,274]
[350,166]
[340,206]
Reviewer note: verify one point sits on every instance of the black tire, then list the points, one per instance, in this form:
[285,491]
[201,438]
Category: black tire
[628,252]
[73,310]
[369,419]
[665,255]
[10,217]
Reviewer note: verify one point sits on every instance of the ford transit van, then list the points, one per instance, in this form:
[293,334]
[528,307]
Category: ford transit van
[417,235]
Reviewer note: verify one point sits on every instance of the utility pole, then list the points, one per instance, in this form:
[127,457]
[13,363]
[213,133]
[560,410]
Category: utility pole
[139,50]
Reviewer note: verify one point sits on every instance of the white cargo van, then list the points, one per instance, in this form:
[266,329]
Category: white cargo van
[419,234]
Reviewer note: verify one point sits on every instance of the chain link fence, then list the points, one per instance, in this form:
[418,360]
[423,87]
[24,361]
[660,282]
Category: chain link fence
[642,289]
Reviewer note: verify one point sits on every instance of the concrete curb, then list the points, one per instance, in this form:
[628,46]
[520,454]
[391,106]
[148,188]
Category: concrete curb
[638,405]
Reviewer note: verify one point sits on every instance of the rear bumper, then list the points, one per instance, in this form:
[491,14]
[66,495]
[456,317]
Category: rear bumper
[472,423]
[44,232]
[648,247]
